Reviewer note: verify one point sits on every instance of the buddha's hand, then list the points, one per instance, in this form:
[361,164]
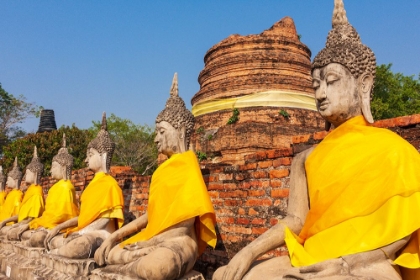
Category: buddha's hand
[102,252]
[51,234]
[238,266]
[22,229]
[326,268]
[137,246]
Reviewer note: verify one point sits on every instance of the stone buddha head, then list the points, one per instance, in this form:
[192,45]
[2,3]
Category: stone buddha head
[34,170]
[174,124]
[100,150]
[343,73]
[62,163]
[2,179]
[14,176]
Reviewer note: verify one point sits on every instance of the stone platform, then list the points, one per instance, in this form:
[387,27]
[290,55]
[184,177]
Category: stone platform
[19,262]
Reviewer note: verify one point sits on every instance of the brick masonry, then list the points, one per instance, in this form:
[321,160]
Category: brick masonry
[248,198]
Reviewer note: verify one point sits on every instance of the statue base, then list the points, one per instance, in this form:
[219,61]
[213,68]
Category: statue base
[103,274]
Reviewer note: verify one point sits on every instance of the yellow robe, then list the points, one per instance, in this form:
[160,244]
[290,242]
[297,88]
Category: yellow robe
[2,199]
[102,195]
[178,193]
[61,205]
[11,205]
[32,203]
[364,192]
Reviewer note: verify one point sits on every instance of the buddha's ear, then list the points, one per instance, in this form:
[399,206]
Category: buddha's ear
[104,157]
[365,88]
[182,139]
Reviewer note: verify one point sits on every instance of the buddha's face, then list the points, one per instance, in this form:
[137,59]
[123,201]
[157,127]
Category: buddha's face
[167,139]
[93,160]
[336,93]
[11,183]
[56,171]
[30,177]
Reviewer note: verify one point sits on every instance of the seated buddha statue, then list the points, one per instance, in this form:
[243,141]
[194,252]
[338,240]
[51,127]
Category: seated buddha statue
[13,199]
[2,188]
[32,204]
[101,205]
[354,197]
[60,205]
[179,222]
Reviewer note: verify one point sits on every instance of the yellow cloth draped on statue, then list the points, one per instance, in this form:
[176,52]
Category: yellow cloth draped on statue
[60,206]
[178,193]
[102,195]
[364,192]
[11,205]
[2,199]
[32,203]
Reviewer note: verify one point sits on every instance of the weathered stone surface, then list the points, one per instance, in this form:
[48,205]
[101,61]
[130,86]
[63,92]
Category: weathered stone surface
[101,274]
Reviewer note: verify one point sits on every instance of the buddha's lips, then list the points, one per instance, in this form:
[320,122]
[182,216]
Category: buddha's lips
[323,105]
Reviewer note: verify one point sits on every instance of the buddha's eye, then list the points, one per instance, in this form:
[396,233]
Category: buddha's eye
[332,78]
[315,84]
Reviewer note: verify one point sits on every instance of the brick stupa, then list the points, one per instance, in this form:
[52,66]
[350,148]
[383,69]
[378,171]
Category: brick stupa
[267,77]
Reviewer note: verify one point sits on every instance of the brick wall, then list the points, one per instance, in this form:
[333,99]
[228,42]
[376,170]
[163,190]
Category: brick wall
[248,198]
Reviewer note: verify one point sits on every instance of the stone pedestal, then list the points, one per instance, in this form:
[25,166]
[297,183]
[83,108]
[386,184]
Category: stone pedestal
[103,274]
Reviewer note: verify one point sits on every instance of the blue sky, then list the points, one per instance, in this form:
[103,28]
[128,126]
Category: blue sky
[81,58]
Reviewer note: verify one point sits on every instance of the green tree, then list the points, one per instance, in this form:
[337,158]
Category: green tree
[48,144]
[13,110]
[134,143]
[394,94]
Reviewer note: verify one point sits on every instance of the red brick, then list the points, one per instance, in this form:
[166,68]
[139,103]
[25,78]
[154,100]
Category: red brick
[256,193]
[320,135]
[232,202]
[225,220]
[280,193]
[259,202]
[285,161]
[237,229]
[279,153]
[237,193]
[259,174]
[215,186]
[274,221]
[239,177]
[256,156]
[241,211]
[217,202]
[276,183]
[259,230]
[242,221]
[224,177]
[300,138]
[252,212]
[234,238]
[230,186]
[265,164]
[248,166]
[213,194]
[279,173]
[265,184]
[213,178]
[258,221]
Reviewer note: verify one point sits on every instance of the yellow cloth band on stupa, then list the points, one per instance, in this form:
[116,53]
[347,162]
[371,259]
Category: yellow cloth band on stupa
[101,195]
[178,193]
[32,203]
[364,191]
[60,206]
[272,98]
[12,204]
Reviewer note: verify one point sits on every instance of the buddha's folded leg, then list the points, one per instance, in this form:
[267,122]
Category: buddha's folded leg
[80,247]
[26,235]
[13,234]
[37,238]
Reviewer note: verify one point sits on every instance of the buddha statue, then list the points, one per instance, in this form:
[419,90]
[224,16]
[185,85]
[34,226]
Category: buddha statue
[353,198]
[2,188]
[99,216]
[32,204]
[13,200]
[179,222]
[61,204]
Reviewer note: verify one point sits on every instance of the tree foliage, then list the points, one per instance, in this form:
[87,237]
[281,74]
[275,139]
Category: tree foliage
[394,94]
[13,110]
[134,143]
[48,144]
